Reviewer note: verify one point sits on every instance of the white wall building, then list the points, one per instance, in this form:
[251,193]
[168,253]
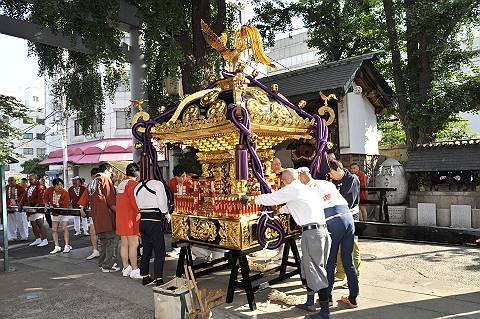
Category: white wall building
[32,144]
[361,91]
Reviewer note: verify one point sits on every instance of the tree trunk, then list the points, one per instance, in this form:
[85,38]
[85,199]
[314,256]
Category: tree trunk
[411,131]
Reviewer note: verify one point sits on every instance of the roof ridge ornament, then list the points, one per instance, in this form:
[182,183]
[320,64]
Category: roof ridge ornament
[247,38]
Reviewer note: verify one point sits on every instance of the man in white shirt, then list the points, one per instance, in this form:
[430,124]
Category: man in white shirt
[307,211]
[341,226]
[153,205]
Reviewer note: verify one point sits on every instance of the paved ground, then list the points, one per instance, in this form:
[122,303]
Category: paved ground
[19,249]
[398,280]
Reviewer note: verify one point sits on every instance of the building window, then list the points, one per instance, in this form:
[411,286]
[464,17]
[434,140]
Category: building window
[124,119]
[78,128]
[28,136]
[41,136]
[35,98]
[28,151]
[41,151]
[40,121]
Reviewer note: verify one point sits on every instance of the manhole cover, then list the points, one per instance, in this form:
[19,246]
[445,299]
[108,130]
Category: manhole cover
[368,257]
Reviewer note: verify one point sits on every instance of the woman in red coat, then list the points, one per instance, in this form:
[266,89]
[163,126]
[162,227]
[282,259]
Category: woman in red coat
[127,221]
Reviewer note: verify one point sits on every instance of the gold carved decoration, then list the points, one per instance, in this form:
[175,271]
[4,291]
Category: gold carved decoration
[284,221]
[279,111]
[259,95]
[245,235]
[327,109]
[180,227]
[229,234]
[203,229]
[209,98]
[191,113]
[254,108]
[217,109]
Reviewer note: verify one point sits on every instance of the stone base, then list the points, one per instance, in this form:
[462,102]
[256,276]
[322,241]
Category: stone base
[461,216]
[427,214]
[396,214]
[411,216]
[443,217]
[476,218]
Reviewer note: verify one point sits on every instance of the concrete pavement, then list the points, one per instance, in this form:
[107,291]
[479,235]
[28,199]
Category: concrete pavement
[398,280]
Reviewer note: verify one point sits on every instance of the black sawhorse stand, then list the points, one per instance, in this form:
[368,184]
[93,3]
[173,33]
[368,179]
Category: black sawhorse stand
[235,259]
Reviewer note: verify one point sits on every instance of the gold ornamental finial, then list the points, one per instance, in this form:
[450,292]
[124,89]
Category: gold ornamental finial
[327,109]
[248,37]
[327,98]
[139,104]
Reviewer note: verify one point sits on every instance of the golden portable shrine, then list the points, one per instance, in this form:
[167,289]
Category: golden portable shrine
[235,123]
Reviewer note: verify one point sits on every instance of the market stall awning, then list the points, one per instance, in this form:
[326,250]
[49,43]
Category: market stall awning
[116,149]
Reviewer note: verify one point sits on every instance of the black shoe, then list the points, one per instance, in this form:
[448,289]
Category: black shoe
[159,282]
[147,281]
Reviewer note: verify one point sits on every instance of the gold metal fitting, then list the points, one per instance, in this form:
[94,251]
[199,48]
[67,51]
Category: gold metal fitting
[302,104]
[253,138]
[241,66]
[275,87]
[161,109]
[254,73]
[138,145]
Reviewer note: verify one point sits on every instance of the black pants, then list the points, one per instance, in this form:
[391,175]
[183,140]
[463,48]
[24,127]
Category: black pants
[153,242]
[48,218]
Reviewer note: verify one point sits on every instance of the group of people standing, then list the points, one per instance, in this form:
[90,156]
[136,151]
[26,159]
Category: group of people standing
[325,212]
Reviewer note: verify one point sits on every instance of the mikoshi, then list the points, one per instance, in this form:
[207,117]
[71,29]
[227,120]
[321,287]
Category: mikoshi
[235,124]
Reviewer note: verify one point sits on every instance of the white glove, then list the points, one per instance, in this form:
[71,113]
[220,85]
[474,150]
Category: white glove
[168,217]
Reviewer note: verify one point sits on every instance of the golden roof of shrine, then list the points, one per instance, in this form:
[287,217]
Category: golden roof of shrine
[201,119]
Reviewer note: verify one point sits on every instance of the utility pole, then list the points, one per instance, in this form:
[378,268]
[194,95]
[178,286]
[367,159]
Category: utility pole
[138,79]
[64,121]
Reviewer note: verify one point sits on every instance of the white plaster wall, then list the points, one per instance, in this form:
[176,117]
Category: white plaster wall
[362,136]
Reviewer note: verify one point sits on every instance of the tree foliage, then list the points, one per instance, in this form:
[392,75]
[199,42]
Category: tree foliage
[428,45]
[10,110]
[173,46]
[33,167]
[393,133]
[431,77]
[338,29]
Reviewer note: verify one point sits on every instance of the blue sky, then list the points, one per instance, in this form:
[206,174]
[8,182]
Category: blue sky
[18,70]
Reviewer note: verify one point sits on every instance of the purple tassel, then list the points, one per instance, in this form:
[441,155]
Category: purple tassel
[241,167]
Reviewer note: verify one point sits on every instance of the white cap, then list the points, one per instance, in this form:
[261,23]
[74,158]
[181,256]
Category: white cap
[76,177]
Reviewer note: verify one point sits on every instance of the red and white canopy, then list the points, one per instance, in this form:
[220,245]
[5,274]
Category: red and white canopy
[93,152]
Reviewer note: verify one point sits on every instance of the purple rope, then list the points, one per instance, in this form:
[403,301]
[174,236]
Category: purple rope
[267,219]
[319,163]
[149,156]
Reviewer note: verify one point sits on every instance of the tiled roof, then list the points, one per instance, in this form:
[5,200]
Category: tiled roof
[445,156]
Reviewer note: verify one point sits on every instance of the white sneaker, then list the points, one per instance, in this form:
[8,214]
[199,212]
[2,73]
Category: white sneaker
[36,242]
[77,233]
[67,249]
[94,254]
[56,250]
[126,271]
[85,233]
[135,274]
[172,254]
[115,267]
[43,243]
